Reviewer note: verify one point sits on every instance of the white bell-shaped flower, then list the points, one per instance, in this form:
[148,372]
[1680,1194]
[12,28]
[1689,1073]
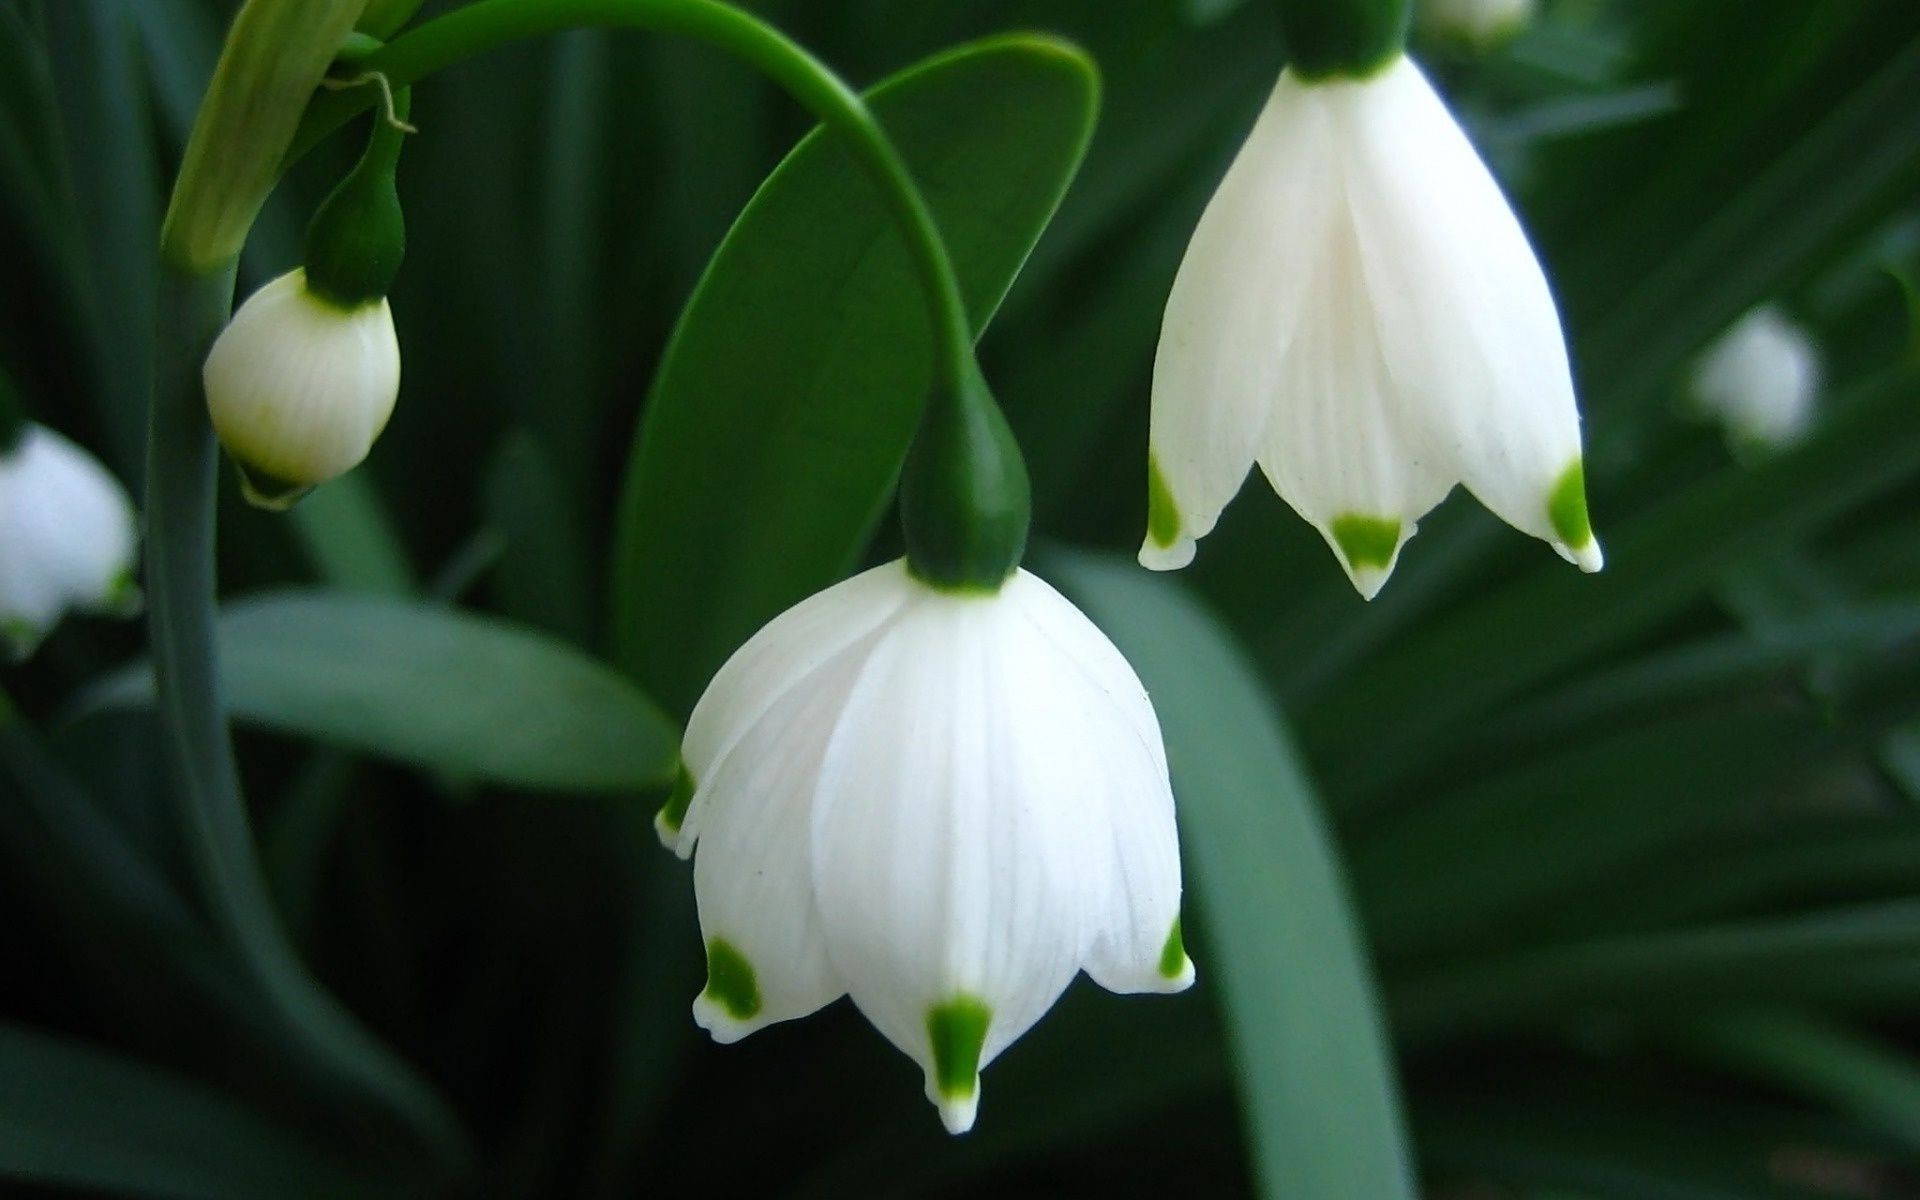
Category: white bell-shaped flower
[944,804]
[1481,23]
[1360,312]
[1760,379]
[298,387]
[67,538]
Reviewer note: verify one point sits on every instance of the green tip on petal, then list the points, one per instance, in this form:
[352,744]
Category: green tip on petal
[958,1031]
[674,811]
[1567,510]
[1369,543]
[265,491]
[1173,955]
[730,981]
[1163,519]
[20,638]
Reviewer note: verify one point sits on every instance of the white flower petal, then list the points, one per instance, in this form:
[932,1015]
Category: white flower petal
[67,536]
[775,663]
[1467,324]
[753,875]
[950,913]
[1100,713]
[1241,289]
[299,388]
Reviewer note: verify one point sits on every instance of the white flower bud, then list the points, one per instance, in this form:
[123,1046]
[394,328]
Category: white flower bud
[67,538]
[1760,379]
[1360,312]
[943,804]
[299,387]
[1482,23]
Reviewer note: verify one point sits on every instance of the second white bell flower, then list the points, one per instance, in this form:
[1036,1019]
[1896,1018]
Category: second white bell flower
[943,803]
[67,537]
[1360,312]
[1760,379]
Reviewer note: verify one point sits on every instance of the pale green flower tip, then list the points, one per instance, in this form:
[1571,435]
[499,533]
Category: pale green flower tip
[1176,969]
[265,492]
[957,1032]
[1368,547]
[1567,512]
[20,637]
[123,597]
[672,816]
[727,1007]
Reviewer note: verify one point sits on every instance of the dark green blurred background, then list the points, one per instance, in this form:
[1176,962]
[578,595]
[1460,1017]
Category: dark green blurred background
[1637,857]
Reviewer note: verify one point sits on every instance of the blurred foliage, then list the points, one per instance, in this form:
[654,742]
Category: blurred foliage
[1637,858]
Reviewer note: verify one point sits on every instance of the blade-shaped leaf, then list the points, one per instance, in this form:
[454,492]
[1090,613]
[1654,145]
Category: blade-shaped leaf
[793,384]
[79,1116]
[428,685]
[1315,1071]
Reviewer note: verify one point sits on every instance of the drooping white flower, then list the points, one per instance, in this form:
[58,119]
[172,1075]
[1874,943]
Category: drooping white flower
[1360,312]
[299,387]
[67,538]
[1760,378]
[944,804]
[1480,23]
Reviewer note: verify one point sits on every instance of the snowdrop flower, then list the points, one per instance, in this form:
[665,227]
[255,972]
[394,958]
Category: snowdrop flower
[1482,23]
[944,803]
[67,537]
[1760,379]
[1360,313]
[299,386]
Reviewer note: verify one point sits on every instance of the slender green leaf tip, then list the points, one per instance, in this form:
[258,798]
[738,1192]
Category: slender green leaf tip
[1173,955]
[1163,519]
[730,981]
[958,1032]
[674,811]
[1367,542]
[1567,507]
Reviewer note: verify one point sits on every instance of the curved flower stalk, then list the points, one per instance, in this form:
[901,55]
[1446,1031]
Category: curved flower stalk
[67,537]
[1360,313]
[943,803]
[1760,379]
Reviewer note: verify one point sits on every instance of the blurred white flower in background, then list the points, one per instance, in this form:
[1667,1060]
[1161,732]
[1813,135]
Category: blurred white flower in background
[1760,379]
[942,803]
[67,537]
[1360,312]
[1479,23]
[299,387]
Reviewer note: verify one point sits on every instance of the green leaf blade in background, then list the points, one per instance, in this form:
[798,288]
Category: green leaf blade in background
[82,1117]
[1316,1071]
[427,685]
[786,400]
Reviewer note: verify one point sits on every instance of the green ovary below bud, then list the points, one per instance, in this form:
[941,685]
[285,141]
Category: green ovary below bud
[965,502]
[298,387]
[359,233]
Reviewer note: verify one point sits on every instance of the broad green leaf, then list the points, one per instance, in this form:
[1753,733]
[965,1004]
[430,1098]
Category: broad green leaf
[78,1116]
[427,685]
[793,384]
[1316,1074]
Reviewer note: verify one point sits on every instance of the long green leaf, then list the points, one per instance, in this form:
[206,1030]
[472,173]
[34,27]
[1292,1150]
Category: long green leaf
[1322,1105]
[793,384]
[81,1117]
[430,686]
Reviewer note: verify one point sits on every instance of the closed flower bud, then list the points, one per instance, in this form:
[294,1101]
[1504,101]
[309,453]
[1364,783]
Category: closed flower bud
[1479,23]
[1760,379]
[299,386]
[942,803]
[1360,313]
[67,537]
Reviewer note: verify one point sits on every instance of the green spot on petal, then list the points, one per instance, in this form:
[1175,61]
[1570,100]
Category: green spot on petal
[1367,541]
[674,811]
[1567,507]
[267,491]
[958,1030]
[1163,519]
[730,981]
[1173,955]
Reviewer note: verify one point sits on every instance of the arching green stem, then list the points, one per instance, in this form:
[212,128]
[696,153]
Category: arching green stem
[488,24]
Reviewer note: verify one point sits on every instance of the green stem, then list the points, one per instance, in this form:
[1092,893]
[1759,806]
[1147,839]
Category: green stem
[488,24]
[182,477]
